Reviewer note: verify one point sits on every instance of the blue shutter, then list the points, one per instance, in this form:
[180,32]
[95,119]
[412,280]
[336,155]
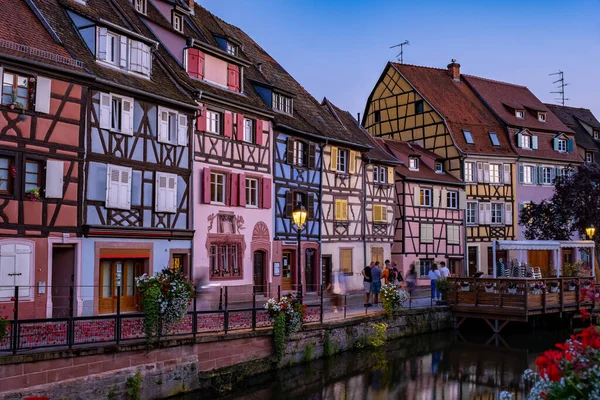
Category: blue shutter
[540,175]
[521,173]
[534,142]
[519,139]
[555,144]
[570,145]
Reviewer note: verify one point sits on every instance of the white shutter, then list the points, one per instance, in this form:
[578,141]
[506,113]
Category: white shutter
[508,210]
[172,198]
[127,115]
[123,51]
[146,58]
[481,218]
[486,172]
[7,269]
[417,196]
[444,198]
[43,90]
[436,198]
[182,130]
[479,172]
[125,189]
[163,125]
[488,213]
[54,179]
[118,187]
[23,268]
[105,110]
[161,192]
[462,200]
[101,50]
[134,56]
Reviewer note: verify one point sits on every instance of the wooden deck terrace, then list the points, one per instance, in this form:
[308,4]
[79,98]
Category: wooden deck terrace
[514,299]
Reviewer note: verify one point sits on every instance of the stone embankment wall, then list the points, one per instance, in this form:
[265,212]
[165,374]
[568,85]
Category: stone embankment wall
[216,362]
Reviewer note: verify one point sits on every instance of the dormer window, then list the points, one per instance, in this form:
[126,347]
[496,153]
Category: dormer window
[140,6]
[123,53]
[282,103]
[468,137]
[413,163]
[520,114]
[561,145]
[178,22]
[526,141]
[542,116]
[232,49]
[596,134]
[439,167]
[589,157]
[494,139]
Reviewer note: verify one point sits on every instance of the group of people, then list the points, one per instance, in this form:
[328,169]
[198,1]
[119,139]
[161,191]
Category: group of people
[373,274]
[434,274]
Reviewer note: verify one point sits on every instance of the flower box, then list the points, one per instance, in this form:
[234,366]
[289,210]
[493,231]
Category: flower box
[512,291]
[489,289]
[465,288]
[554,289]
[572,288]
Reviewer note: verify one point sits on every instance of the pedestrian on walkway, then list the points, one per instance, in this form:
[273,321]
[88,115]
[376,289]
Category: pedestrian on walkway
[444,271]
[336,289]
[397,274]
[376,276]
[434,275]
[411,280]
[366,273]
[386,272]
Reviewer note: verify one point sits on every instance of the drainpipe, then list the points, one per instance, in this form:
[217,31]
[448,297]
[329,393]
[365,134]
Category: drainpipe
[364,212]
[321,210]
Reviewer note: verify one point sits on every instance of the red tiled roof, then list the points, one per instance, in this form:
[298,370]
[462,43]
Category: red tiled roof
[503,98]
[574,118]
[545,148]
[460,107]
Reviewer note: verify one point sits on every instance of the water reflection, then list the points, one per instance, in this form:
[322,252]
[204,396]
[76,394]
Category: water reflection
[438,366]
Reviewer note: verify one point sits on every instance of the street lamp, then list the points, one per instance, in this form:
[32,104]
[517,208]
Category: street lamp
[299,214]
[590,231]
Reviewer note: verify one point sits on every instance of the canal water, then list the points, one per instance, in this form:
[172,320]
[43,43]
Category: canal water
[444,366]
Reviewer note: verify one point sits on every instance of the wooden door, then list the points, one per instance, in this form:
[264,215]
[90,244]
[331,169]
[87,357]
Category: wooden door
[287,270]
[63,278]
[309,270]
[259,271]
[540,258]
[473,267]
[114,274]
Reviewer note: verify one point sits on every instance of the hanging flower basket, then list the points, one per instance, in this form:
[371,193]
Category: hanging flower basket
[512,288]
[489,287]
[554,287]
[291,308]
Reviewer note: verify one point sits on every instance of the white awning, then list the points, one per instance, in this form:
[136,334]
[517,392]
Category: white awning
[528,244]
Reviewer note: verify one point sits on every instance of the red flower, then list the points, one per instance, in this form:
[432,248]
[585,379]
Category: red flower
[585,315]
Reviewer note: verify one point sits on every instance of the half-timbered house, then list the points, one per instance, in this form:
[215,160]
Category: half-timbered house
[136,215]
[438,110]
[430,204]
[41,147]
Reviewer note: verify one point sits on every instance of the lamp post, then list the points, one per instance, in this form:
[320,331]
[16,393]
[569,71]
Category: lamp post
[590,231]
[299,214]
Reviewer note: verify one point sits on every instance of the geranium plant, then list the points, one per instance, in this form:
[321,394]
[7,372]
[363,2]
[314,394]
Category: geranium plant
[392,298]
[166,297]
[33,194]
[3,325]
[287,315]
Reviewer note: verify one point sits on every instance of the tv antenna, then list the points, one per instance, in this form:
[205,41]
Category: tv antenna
[401,55]
[561,87]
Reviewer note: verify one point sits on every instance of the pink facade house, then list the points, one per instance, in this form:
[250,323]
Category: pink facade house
[429,212]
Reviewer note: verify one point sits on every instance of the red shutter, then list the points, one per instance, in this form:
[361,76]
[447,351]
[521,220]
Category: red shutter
[228,189]
[242,188]
[192,62]
[206,185]
[234,189]
[200,65]
[239,133]
[259,132]
[233,77]
[228,125]
[201,121]
[266,193]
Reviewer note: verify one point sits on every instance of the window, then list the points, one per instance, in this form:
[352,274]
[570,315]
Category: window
[252,192]
[341,210]
[426,233]
[213,122]
[217,188]
[166,192]
[178,22]
[520,114]
[495,173]
[140,6]
[525,141]
[224,260]
[528,174]
[452,200]
[346,261]
[116,110]
[589,157]
[497,211]
[380,174]
[123,53]
[118,181]
[15,90]
[16,260]
[33,175]
[469,172]
[376,174]
[232,49]
[300,153]
[453,234]
[424,266]
[542,116]
[377,116]
[562,145]
[413,163]
[494,139]
[116,113]
[173,127]
[342,160]
[425,197]
[7,171]
[468,137]
[596,134]
[547,175]
[248,131]
[140,58]
[112,48]
[282,103]
[471,212]
[419,107]
[439,167]
[379,213]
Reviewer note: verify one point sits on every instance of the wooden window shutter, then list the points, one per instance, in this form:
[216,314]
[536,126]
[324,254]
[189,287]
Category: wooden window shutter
[480,177]
[102,33]
[555,144]
[486,172]
[259,132]
[228,125]
[507,173]
[54,179]
[233,77]
[481,218]
[163,125]
[416,196]
[540,174]
[173,193]
[105,110]
[508,210]
[311,205]
[266,193]
[182,130]
[289,203]
[534,142]
[192,63]
[376,213]
[289,151]
[390,175]
[201,120]
[123,51]
[570,145]
[206,185]
[125,189]
[352,162]
[113,176]
[443,198]
[233,192]
[312,155]
[161,188]
[127,115]
[462,200]
[519,136]
[43,91]
[242,190]
[333,161]
[437,202]
[344,209]
[239,126]
[488,213]
[228,187]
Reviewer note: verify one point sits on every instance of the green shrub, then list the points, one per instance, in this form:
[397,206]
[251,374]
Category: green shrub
[134,385]
[379,338]
[279,335]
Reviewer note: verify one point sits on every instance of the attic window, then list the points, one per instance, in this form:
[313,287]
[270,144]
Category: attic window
[494,139]
[232,49]
[596,134]
[178,22]
[377,116]
[525,141]
[542,116]
[419,107]
[282,103]
[468,137]
[413,163]
[520,114]
[439,167]
[140,6]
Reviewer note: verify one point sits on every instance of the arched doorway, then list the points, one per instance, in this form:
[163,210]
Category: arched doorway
[258,262]
[310,270]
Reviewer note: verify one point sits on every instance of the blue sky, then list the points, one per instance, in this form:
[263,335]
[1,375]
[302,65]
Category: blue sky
[339,48]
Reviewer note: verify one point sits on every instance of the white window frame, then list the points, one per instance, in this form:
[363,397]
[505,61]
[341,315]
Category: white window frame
[106,116]
[520,114]
[589,157]
[176,125]
[525,142]
[547,178]
[439,167]
[213,122]
[470,172]
[452,200]
[413,163]
[140,6]
[494,138]
[118,193]
[424,195]
[178,22]
[542,116]
[475,215]
[426,233]
[112,48]
[252,192]
[452,234]
[495,176]
[528,172]
[468,136]
[383,175]
[300,153]
[231,48]
[562,145]
[496,219]
[343,157]
[166,195]
[376,174]
[249,136]
[218,180]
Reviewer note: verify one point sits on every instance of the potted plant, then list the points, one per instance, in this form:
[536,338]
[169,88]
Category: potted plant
[443,285]
[573,284]
[465,286]
[512,288]
[17,105]
[33,194]
[489,287]
[553,287]
[587,283]
[538,287]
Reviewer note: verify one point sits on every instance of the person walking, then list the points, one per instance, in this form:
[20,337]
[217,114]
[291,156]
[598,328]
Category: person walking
[397,274]
[386,272]
[434,275]
[376,276]
[366,273]
[444,271]
[411,280]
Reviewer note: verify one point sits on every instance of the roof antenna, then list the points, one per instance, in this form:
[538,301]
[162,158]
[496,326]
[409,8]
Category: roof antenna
[401,55]
[561,87]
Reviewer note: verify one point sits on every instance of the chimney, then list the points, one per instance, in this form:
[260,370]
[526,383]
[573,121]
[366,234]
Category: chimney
[454,70]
